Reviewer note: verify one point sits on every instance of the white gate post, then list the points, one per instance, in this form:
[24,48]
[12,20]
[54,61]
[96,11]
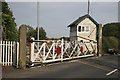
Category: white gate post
[53,56]
[17,54]
[96,49]
[32,51]
[43,52]
[62,50]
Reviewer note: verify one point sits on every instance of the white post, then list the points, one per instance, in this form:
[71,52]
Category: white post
[3,51]
[62,50]
[32,51]
[6,54]
[14,54]
[53,52]
[78,49]
[11,54]
[17,54]
[43,52]
[96,50]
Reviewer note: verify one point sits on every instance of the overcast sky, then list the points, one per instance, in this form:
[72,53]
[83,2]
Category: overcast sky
[56,16]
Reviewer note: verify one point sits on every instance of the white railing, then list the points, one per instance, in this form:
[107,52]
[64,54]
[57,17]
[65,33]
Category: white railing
[59,50]
[9,53]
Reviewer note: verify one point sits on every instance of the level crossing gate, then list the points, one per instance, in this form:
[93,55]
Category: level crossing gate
[59,50]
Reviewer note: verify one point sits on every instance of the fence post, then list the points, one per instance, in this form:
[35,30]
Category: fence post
[6,53]
[13,55]
[32,51]
[100,40]
[1,52]
[22,46]
[3,62]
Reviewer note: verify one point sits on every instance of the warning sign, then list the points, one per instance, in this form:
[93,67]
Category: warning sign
[58,50]
[81,49]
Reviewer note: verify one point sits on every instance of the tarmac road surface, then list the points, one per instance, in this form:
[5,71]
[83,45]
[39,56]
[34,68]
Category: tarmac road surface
[93,67]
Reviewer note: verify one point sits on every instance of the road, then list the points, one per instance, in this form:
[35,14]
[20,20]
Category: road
[93,67]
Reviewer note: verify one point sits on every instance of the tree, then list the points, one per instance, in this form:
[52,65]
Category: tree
[111,36]
[8,23]
[111,29]
[42,33]
[65,38]
[110,42]
[33,33]
[30,32]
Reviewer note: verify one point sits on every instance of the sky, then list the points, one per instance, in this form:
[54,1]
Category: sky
[54,17]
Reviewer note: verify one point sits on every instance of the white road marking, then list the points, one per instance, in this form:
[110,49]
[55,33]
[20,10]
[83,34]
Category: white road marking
[111,72]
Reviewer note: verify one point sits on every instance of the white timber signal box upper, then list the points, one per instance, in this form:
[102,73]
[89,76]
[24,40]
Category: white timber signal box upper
[85,28]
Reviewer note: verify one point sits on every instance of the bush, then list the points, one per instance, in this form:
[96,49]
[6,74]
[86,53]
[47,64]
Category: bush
[111,36]
[110,42]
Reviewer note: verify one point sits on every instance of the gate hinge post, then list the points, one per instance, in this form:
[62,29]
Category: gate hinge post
[100,40]
[22,46]
[32,51]
[62,50]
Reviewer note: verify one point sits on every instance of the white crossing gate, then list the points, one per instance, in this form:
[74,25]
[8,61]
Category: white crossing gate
[9,53]
[59,50]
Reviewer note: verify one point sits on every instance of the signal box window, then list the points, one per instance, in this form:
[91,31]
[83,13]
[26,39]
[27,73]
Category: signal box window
[83,29]
[79,28]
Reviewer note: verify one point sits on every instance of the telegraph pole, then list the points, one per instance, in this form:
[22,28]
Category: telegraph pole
[88,6]
[38,23]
